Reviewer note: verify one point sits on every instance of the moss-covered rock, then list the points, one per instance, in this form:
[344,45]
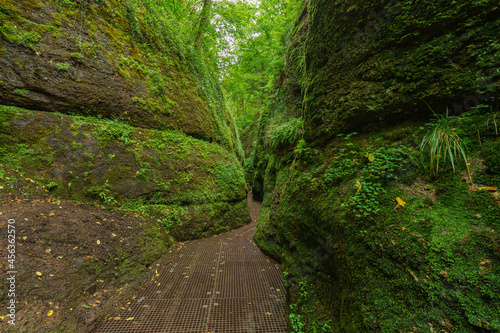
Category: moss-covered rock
[167,174]
[121,61]
[368,240]
[370,64]
[147,124]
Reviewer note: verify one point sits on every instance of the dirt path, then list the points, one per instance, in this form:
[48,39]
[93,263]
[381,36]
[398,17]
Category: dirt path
[218,284]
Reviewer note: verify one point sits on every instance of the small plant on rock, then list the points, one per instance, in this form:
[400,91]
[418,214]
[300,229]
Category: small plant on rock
[442,143]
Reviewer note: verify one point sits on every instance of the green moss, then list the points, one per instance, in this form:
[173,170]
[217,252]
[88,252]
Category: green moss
[431,262]
[492,153]
[63,66]
[158,173]
[13,35]
[77,56]
[21,91]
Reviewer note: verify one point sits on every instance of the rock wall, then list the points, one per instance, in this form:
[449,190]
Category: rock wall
[107,101]
[107,58]
[369,239]
[371,64]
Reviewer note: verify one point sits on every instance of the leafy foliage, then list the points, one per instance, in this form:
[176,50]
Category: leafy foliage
[442,143]
[285,133]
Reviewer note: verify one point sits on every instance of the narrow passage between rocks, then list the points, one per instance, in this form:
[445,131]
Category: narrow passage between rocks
[219,284]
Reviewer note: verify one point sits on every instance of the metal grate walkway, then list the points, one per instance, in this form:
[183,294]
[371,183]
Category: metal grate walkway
[220,284]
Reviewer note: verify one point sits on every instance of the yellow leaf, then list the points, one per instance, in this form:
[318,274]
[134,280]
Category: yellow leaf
[98,242]
[371,157]
[487,188]
[130,318]
[358,185]
[400,201]
[39,273]
[50,313]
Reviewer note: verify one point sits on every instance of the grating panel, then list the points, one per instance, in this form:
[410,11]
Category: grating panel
[219,284]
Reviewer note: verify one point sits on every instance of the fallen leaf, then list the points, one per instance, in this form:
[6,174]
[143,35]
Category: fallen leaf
[39,273]
[400,201]
[50,313]
[130,318]
[487,188]
[371,157]
[358,185]
[98,242]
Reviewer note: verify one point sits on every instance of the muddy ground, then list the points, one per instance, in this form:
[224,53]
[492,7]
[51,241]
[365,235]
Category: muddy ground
[73,261]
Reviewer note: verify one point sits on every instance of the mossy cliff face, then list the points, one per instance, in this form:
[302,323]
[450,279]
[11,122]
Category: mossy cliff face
[124,61]
[368,239]
[137,119]
[195,188]
[373,63]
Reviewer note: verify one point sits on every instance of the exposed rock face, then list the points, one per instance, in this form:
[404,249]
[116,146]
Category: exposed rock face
[376,63]
[86,59]
[368,240]
[139,122]
[194,187]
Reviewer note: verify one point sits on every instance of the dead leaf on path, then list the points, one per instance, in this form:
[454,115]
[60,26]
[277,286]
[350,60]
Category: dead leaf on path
[130,318]
[50,313]
[39,273]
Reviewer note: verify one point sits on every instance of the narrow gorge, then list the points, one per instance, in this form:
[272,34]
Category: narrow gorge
[132,132]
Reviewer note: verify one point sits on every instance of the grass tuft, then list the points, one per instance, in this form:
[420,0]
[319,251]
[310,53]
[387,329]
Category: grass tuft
[442,143]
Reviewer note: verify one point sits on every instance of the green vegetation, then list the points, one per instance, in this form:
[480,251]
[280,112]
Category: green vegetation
[286,133]
[21,92]
[377,230]
[77,56]
[361,223]
[195,188]
[63,66]
[391,256]
[149,44]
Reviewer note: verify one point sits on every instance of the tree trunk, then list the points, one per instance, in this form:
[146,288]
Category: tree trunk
[205,15]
